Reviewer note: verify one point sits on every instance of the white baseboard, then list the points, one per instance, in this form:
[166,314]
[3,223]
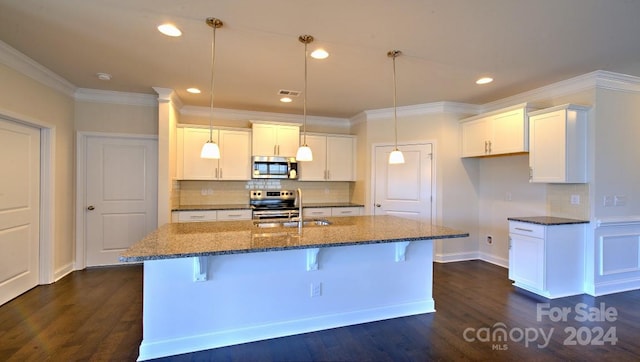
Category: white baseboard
[616,286]
[453,257]
[474,255]
[490,258]
[62,272]
[157,349]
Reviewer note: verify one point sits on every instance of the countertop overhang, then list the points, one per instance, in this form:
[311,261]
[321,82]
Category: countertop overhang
[179,240]
[547,220]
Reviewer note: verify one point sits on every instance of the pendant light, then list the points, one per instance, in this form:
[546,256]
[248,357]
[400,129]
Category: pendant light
[210,148]
[304,152]
[395,157]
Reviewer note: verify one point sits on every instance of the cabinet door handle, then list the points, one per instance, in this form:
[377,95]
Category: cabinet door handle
[486,147]
[523,229]
[220,173]
[509,242]
[530,173]
[275,152]
[378,205]
[489,146]
[278,150]
[328,175]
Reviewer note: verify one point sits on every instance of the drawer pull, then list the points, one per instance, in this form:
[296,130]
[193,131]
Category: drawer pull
[522,229]
[196,216]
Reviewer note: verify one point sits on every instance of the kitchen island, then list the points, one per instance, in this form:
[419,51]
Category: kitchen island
[215,284]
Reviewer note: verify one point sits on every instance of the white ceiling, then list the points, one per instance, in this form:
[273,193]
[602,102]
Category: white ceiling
[446,45]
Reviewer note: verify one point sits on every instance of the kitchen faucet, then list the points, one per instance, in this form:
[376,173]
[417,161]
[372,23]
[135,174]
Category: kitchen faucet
[299,199]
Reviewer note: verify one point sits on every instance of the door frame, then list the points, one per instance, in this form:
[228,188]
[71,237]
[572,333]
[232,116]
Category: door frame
[81,187]
[47,274]
[372,183]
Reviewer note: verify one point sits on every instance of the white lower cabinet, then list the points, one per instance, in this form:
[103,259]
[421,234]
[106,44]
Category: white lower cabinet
[210,215]
[547,260]
[332,211]
[194,216]
[234,215]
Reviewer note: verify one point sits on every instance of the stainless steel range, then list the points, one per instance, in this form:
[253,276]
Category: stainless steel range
[273,204]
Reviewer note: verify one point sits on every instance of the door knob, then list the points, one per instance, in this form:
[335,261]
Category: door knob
[90,208]
[378,205]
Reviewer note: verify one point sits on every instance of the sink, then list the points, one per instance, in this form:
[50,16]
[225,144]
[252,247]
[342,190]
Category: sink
[290,224]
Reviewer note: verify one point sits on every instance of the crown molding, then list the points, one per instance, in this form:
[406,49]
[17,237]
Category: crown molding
[616,81]
[598,79]
[422,109]
[240,115]
[112,97]
[21,63]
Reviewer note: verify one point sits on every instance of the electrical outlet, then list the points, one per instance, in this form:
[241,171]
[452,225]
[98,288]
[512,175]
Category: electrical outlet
[316,290]
[575,199]
[608,201]
[489,239]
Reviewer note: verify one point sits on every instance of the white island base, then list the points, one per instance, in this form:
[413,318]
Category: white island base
[199,303]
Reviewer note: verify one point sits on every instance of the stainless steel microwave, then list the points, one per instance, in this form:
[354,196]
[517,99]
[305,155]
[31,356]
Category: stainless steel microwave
[274,167]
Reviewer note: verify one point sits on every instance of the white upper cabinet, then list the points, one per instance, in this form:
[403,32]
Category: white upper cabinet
[558,140]
[235,155]
[333,158]
[275,140]
[315,170]
[496,133]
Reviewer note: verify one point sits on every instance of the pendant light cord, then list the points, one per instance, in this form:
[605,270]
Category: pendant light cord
[213,62]
[395,116]
[304,102]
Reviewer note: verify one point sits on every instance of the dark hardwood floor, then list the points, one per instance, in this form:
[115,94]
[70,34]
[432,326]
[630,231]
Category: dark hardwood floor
[95,315]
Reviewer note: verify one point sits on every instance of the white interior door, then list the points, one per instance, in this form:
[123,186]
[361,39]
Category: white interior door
[19,209]
[121,195]
[404,190]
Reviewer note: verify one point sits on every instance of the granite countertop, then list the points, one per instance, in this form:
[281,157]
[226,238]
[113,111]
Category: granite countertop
[178,240]
[547,220]
[247,206]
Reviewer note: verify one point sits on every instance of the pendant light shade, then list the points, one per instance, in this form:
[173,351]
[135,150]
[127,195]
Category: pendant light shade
[210,149]
[395,157]
[304,152]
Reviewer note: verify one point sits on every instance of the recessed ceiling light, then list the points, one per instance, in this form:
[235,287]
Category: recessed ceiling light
[193,90]
[169,30]
[484,80]
[285,100]
[319,54]
[103,76]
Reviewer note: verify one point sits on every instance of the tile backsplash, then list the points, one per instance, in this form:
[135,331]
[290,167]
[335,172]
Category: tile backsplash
[237,192]
[559,201]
